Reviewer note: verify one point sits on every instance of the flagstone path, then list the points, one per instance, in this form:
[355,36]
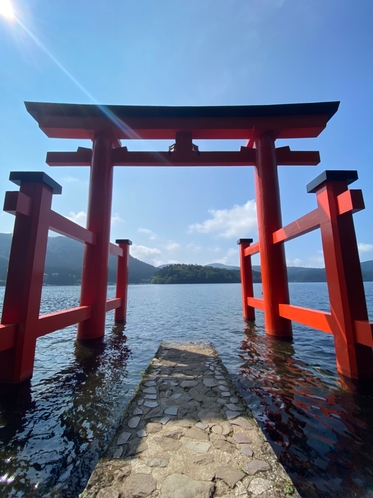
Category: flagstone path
[187,433]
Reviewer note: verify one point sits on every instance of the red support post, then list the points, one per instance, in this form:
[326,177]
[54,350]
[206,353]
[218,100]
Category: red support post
[246,272]
[272,257]
[95,263]
[343,273]
[122,280]
[25,274]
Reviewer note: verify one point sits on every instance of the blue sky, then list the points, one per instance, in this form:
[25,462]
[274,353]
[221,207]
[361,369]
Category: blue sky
[188,52]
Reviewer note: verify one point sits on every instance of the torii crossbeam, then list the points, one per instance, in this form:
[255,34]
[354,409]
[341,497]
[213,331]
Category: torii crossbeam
[260,126]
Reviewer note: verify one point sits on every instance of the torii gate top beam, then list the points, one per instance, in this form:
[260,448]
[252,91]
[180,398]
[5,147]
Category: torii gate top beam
[83,121]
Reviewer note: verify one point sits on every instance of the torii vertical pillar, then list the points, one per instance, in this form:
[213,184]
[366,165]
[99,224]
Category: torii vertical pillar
[272,257]
[26,270]
[343,272]
[246,273]
[122,280]
[96,256]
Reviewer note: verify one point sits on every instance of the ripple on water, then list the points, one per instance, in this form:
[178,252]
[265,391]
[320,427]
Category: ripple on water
[54,429]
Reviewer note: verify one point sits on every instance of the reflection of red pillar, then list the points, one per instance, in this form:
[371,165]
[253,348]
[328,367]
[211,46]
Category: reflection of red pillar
[246,279]
[272,257]
[25,273]
[343,274]
[122,279]
[95,264]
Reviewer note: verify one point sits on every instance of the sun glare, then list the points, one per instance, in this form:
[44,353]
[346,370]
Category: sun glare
[6,9]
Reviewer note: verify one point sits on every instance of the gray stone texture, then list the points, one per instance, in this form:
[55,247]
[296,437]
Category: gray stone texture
[108,493]
[168,444]
[181,486]
[256,466]
[233,407]
[242,438]
[259,486]
[133,422]
[123,437]
[157,462]
[245,449]
[151,404]
[171,410]
[198,446]
[195,439]
[229,475]
[242,422]
[210,382]
[196,433]
[138,485]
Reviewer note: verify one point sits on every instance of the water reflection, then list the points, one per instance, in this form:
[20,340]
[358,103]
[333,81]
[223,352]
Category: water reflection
[15,402]
[53,431]
[322,433]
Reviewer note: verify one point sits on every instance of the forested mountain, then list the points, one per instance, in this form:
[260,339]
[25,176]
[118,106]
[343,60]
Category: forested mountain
[304,274]
[195,274]
[65,256]
[226,267]
[64,262]
[367,270]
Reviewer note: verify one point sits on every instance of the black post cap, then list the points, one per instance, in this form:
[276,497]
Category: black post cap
[124,241]
[339,175]
[19,177]
[244,241]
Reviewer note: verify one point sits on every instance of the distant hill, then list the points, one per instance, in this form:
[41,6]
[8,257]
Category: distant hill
[65,256]
[226,267]
[367,270]
[303,274]
[64,262]
[195,274]
[367,265]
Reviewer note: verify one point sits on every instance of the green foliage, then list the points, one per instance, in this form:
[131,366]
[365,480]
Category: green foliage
[195,274]
[64,259]
[289,489]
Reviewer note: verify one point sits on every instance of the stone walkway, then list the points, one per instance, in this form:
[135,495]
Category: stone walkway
[187,433]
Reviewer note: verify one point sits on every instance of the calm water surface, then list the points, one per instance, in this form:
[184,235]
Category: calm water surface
[53,430]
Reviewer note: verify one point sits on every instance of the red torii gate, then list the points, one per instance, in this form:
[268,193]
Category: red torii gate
[260,126]
[107,125]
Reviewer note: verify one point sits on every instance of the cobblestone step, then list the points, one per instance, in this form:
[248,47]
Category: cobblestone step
[187,433]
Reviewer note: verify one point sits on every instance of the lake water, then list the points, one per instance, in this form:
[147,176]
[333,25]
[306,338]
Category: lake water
[53,430]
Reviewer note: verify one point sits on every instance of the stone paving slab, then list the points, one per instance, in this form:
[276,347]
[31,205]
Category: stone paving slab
[194,438]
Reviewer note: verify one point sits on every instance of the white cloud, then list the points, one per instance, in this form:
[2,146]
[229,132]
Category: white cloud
[295,262]
[230,259]
[365,247]
[317,261]
[146,251]
[214,249]
[194,247]
[81,218]
[116,219]
[70,179]
[238,221]
[146,231]
[149,255]
[172,246]
[161,262]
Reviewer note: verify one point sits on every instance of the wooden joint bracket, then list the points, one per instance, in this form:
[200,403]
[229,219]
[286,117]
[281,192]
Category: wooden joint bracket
[350,201]
[17,203]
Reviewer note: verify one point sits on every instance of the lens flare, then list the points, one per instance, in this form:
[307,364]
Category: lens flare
[6,9]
